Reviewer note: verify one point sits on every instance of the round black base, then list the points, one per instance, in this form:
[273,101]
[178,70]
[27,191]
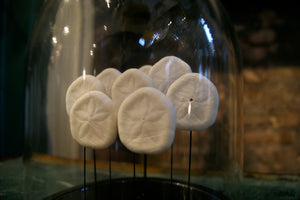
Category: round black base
[138,189]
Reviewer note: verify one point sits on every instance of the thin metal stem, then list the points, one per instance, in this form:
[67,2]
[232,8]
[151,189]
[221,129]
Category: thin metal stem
[190,159]
[171,170]
[109,166]
[109,158]
[145,166]
[133,166]
[95,168]
[84,172]
[95,173]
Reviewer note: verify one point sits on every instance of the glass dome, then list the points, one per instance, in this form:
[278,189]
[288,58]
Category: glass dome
[77,38]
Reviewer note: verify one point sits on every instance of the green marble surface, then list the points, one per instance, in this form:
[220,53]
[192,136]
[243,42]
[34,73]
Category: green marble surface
[37,180]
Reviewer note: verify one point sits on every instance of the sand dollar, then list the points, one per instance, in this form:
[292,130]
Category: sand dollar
[196,101]
[108,77]
[167,70]
[93,120]
[79,87]
[147,121]
[128,82]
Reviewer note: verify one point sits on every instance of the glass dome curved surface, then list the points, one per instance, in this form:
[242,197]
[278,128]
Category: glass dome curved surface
[73,38]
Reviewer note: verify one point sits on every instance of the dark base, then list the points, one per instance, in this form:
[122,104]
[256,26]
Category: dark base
[139,189]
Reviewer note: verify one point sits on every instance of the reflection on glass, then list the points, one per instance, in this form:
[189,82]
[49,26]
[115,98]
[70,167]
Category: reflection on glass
[66,30]
[81,37]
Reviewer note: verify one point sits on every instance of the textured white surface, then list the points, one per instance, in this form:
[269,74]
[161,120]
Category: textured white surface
[93,120]
[64,66]
[108,77]
[146,69]
[128,82]
[147,121]
[196,101]
[79,87]
[167,70]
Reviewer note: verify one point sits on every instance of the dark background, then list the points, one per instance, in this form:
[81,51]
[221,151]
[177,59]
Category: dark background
[279,18]
[17,19]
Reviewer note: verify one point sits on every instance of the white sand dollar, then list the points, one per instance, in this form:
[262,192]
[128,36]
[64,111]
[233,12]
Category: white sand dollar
[196,101]
[167,70]
[147,121]
[108,77]
[93,120]
[146,69]
[79,87]
[128,82]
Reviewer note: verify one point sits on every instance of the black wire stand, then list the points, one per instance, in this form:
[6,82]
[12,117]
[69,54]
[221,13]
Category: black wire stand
[138,188]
